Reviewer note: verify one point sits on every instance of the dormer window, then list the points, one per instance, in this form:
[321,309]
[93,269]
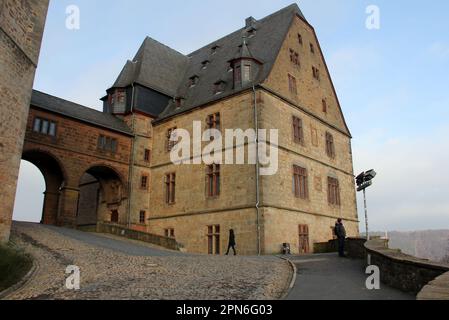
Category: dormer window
[251,32]
[193,81]
[204,64]
[230,68]
[215,49]
[219,87]
[179,102]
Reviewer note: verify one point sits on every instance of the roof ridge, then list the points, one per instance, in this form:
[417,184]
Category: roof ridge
[159,43]
[289,7]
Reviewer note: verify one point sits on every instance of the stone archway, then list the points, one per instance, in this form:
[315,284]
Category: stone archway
[55,178]
[102,197]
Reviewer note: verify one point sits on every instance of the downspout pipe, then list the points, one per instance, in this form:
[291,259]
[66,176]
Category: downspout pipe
[256,127]
[131,167]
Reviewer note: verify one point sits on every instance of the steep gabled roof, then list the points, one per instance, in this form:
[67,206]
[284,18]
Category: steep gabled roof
[155,66]
[165,70]
[78,112]
[264,46]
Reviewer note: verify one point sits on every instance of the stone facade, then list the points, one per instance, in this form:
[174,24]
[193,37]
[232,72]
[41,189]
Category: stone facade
[21,29]
[129,187]
[281,212]
[84,184]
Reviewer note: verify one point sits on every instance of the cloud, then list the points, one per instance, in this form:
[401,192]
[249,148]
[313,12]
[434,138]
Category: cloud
[411,189]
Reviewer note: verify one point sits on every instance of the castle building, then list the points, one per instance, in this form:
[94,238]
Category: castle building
[116,166]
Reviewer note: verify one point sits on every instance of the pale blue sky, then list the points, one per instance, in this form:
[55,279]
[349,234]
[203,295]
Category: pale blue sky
[392,83]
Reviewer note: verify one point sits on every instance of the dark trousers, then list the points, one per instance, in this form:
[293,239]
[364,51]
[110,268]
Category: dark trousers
[341,246]
[233,248]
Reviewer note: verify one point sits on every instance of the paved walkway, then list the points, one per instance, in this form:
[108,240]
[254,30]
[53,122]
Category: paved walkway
[115,243]
[328,277]
[120,269]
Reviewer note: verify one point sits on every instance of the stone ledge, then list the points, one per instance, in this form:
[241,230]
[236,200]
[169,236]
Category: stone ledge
[438,289]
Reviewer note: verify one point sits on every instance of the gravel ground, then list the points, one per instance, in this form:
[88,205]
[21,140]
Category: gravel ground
[113,275]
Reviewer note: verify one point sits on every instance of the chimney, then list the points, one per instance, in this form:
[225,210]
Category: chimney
[250,22]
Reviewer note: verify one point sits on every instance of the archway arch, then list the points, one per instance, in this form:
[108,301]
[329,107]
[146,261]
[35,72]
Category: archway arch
[55,178]
[102,196]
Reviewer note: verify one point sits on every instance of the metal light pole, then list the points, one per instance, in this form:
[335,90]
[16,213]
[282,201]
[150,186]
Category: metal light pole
[366,215]
[365,180]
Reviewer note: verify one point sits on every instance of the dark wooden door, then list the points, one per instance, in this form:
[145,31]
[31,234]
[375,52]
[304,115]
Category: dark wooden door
[304,246]
[114,216]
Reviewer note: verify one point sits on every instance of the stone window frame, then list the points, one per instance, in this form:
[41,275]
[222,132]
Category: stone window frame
[170,144]
[214,239]
[142,216]
[147,155]
[298,131]
[213,181]
[294,58]
[170,188]
[144,181]
[292,84]
[324,105]
[39,121]
[300,182]
[169,233]
[330,145]
[333,191]
[107,143]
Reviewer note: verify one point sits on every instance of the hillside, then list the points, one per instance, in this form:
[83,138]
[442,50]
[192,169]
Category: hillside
[431,244]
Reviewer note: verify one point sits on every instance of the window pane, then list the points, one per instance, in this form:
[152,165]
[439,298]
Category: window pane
[44,128]
[37,125]
[52,131]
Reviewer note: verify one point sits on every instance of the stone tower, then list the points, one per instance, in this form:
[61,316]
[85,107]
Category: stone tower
[21,29]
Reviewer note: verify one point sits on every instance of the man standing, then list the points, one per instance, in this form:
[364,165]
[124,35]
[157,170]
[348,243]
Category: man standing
[340,232]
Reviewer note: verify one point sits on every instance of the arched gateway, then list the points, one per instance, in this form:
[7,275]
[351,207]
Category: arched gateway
[84,159]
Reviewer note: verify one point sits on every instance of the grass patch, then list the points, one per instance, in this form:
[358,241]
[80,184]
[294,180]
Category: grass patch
[14,265]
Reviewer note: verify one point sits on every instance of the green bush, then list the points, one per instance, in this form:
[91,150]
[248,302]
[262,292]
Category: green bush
[14,265]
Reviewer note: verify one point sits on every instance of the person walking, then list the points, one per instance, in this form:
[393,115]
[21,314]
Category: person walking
[340,232]
[232,243]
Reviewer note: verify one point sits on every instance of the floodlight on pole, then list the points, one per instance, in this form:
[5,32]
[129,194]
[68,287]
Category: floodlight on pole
[364,181]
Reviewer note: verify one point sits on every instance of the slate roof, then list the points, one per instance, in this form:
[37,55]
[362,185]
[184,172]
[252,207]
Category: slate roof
[155,66]
[78,112]
[168,71]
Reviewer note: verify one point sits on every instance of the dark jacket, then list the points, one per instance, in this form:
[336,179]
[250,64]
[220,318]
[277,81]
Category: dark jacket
[340,230]
[231,239]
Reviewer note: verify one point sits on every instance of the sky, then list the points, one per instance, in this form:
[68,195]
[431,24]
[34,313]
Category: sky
[392,82]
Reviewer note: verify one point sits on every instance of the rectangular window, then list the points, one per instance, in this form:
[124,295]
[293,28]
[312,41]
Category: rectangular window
[300,182]
[312,48]
[171,135]
[169,233]
[246,72]
[316,73]
[333,191]
[237,74]
[300,39]
[213,180]
[213,239]
[324,106]
[37,125]
[147,155]
[144,182]
[107,144]
[213,121]
[142,217]
[44,126]
[170,187]
[292,84]
[298,131]
[330,147]
[294,57]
